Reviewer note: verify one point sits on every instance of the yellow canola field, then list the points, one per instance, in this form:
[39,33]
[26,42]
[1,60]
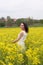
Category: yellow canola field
[10,53]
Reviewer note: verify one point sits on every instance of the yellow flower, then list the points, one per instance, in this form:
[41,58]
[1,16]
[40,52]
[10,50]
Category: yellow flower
[2,63]
[20,58]
[36,61]
[10,63]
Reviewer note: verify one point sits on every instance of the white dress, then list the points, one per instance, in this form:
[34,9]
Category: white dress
[21,41]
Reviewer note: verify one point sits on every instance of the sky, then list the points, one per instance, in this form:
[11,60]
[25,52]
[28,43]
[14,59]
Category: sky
[21,8]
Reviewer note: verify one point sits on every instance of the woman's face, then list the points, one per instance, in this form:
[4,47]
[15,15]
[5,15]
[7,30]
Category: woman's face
[22,26]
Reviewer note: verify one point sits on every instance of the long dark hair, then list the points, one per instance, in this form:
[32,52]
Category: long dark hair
[25,26]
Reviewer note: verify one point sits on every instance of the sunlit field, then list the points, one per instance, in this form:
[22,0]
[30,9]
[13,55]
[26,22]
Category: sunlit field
[10,52]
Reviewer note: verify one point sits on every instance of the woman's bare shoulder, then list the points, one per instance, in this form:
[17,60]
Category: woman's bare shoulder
[21,33]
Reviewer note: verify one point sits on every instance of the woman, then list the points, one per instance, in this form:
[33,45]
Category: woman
[22,35]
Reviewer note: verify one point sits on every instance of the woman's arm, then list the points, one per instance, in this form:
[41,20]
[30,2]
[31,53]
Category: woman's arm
[18,38]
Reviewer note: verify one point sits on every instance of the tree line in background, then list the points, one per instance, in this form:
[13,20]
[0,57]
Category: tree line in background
[9,22]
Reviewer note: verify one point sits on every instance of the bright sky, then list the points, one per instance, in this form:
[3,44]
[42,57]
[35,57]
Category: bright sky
[21,8]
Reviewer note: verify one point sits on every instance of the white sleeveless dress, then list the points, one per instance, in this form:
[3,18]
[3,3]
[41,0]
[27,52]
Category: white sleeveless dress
[21,41]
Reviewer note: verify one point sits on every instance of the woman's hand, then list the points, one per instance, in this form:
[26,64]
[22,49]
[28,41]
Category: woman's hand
[13,41]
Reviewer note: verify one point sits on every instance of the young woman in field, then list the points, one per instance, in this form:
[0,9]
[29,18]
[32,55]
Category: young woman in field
[22,35]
